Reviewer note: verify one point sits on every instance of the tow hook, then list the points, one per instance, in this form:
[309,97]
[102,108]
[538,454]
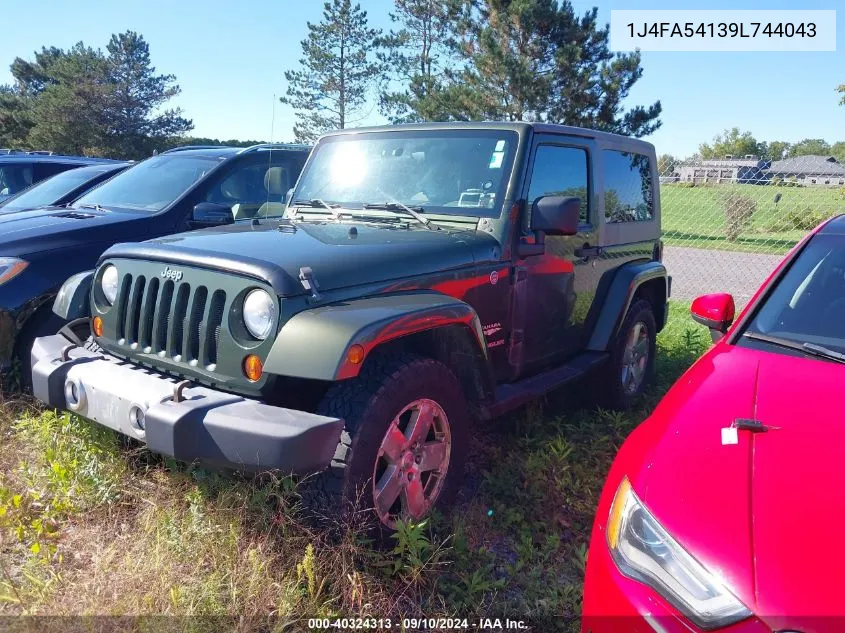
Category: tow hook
[179,389]
[65,355]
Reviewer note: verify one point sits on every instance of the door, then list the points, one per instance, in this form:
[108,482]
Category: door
[557,284]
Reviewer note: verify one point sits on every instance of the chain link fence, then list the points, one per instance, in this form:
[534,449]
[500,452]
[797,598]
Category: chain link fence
[728,222]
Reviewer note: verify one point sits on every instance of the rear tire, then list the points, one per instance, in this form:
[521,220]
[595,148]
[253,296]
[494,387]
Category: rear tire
[403,448]
[631,365]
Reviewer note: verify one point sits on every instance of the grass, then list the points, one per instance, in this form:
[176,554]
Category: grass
[695,216]
[91,526]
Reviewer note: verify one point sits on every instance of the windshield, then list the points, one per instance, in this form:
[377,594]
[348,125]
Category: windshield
[49,191]
[14,178]
[454,172]
[151,185]
[808,303]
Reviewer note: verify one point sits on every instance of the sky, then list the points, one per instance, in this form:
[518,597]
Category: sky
[229,58]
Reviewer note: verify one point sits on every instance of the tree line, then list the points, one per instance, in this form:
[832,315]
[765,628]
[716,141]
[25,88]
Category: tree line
[464,60]
[738,144]
[443,60]
[84,100]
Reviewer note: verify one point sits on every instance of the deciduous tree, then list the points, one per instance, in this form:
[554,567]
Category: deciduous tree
[837,150]
[732,142]
[777,150]
[666,164]
[810,146]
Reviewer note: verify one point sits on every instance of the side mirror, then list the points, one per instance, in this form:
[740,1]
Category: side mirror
[211,214]
[556,215]
[714,311]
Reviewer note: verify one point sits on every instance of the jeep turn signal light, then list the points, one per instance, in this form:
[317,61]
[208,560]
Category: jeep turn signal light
[253,367]
[97,326]
[355,355]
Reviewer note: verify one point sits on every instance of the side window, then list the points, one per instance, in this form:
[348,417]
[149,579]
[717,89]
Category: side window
[560,171]
[256,188]
[14,178]
[242,185]
[45,170]
[628,190]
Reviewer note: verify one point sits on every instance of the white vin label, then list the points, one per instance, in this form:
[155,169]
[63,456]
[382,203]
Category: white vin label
[722,30]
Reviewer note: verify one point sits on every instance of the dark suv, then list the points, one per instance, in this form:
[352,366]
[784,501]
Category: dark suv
[422,274]
[18,170]
[182,189]
[62,188]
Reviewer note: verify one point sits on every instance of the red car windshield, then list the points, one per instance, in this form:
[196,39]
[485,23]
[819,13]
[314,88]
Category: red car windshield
[808,303]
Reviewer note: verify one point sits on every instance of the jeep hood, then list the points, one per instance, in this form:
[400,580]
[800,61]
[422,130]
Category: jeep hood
[49,228]
[765,513]
[340,254]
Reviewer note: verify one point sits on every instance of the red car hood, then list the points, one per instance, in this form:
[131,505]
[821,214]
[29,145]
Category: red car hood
[765,513]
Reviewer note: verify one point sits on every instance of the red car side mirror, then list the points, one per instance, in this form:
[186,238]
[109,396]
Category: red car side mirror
[714,311]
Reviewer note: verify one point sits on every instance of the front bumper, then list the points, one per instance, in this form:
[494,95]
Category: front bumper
[204,425]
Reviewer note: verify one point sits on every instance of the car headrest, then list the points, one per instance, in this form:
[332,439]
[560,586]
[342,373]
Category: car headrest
[275,181]
[233,187]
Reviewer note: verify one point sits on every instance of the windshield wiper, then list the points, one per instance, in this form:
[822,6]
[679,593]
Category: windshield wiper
[823,352]
[811,349]
[414,212]
[96,207]
[316,203]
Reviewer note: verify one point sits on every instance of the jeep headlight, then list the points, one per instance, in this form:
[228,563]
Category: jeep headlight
[11,267]
[644,551]
[259,313]
[108,283]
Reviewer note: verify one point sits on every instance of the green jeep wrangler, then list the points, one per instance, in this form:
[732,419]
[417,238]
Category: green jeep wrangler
[422,275]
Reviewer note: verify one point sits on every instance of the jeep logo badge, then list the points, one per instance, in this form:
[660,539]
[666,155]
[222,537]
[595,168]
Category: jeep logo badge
[171,273]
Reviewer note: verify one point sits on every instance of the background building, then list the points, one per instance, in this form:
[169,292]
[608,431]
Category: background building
[748,169]
[818,171]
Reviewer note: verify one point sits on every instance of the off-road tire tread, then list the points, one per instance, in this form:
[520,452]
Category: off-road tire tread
[348,400]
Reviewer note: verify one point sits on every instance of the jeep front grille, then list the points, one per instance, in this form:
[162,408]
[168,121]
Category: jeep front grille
[169,318]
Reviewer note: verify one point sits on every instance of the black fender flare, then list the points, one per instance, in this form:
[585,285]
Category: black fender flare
[314,343]
[72,301]
[618,299]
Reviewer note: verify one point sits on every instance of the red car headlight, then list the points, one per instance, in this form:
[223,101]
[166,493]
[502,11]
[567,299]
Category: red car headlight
[644,551]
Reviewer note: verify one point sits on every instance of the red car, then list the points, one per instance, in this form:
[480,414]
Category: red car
[723,510]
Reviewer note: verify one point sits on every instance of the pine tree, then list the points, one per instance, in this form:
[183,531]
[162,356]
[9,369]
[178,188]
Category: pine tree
[67,94]
[134,124]
[509,51]
[337,70]
[419,54]
[536,60]
[83,101]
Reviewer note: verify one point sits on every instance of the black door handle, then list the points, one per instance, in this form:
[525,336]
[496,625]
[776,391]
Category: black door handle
[588,251]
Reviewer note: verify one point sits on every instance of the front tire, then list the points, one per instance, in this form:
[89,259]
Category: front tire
[403,447]
[42,323]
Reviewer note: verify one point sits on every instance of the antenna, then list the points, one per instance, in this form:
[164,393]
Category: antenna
[270,153]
